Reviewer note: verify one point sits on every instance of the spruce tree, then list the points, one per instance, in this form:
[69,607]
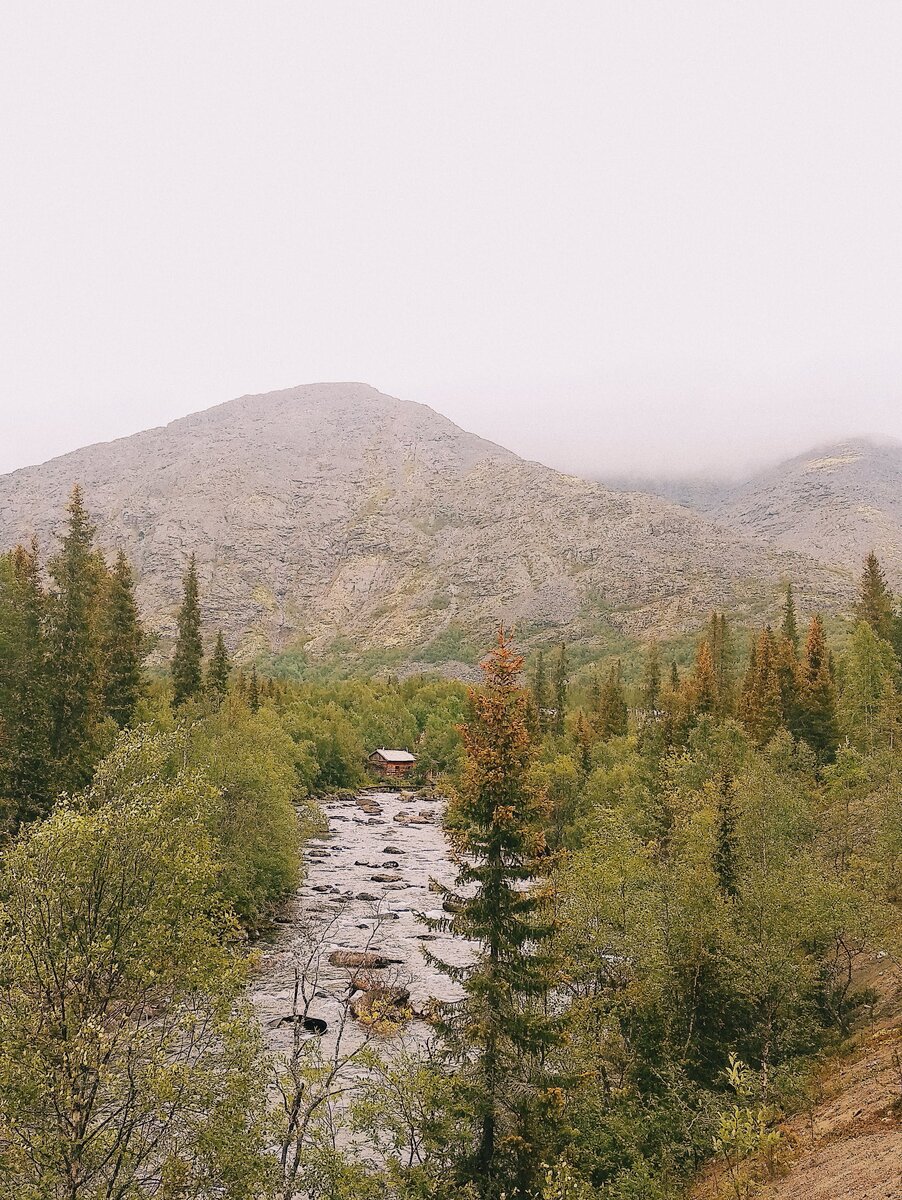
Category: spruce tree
[122,645]
[789,628]
[725,845]
[703,682]
[613,716]
[583,736]
[875,601]
[25,713]
[818,724]
[540,692]
[674,675]
[761,704]
[560,689]
[500,1033]
[253,691]
[724,667]
[76,683]
[651,680]
[219,669]
[786,665]
[186,661]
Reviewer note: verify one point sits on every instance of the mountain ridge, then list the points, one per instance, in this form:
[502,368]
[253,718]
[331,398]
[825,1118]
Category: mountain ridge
[329,513]
[837,501]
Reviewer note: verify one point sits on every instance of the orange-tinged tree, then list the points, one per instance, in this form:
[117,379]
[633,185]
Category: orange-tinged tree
[500,1034]
[818,723]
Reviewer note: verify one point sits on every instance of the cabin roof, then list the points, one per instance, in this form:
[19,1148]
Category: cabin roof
[395,756]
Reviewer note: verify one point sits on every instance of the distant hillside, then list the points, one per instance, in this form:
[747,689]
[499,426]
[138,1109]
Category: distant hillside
[835,503]
[334,515]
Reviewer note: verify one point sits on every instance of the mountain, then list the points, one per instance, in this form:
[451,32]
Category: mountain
[344,519]
[836,503]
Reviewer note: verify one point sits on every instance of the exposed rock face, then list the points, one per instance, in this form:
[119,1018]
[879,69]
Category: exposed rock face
[836,503]
[333,514]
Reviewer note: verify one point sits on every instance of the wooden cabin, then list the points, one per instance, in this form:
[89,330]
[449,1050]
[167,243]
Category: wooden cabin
[391,764]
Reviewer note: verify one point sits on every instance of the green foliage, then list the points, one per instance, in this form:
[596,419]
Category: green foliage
[817,719]
[26,769]
[127,1058]
[869,698]
[745,1129]
[252,762]
[499,1036]
[559,689]
[186,660]
[70,666]
[875,602]
[76,681]
[122,641]
[218,670]
[789,628]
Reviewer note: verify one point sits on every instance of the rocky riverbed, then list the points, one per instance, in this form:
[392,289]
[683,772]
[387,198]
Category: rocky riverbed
[366,880]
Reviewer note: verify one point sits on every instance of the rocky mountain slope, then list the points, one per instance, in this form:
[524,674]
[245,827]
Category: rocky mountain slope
[332,514]
[835,503]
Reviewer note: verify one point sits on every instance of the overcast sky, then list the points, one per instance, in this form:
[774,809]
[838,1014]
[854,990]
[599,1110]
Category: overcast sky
[612,235]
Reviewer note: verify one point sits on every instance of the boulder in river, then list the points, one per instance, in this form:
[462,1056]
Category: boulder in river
[385,877]
[315,1025]
[367,959]
[392,850]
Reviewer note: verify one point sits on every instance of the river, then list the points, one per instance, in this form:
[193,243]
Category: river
[366,880]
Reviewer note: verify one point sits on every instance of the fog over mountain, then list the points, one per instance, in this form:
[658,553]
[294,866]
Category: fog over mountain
[609,236]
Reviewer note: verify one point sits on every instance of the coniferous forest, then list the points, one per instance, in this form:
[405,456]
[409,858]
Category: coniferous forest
[672,887]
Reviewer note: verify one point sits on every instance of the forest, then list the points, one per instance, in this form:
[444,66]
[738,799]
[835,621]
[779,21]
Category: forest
[673,888]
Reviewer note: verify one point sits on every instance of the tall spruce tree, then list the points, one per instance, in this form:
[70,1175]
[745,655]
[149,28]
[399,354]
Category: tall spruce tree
[721,649]
[817,722]
[219,669]
[703,681]
[789,628]
[761,703]
[651,680]
[725,844]
[122,645]
[613,713]
[540,692]
[76,682]
[875,601]
[499,1034]
[786,665]
[253,690]
[25,759]
[560,689]
[186,661]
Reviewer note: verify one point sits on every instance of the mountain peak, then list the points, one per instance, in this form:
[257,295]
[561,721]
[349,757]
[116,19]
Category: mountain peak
[332,513]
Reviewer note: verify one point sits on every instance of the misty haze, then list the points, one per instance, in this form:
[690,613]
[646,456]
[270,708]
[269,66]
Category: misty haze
[451,601]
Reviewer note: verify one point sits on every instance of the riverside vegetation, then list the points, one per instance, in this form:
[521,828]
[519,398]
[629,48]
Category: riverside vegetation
[668,886]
